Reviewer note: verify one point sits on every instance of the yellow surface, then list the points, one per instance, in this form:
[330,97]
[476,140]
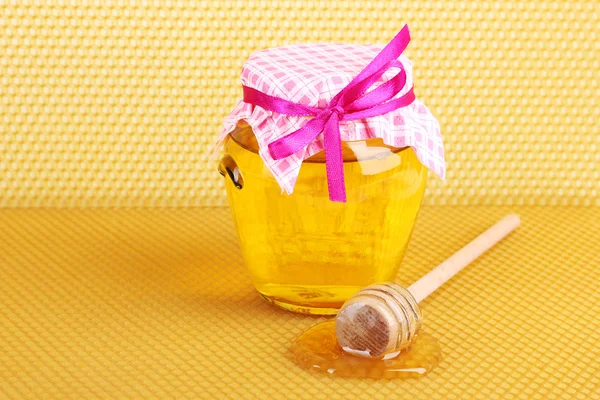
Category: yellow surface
[115,103]
[156,303]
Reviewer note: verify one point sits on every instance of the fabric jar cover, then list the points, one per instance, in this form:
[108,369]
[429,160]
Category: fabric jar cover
[312,74]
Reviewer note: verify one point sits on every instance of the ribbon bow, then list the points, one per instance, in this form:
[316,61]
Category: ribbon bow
[351,103]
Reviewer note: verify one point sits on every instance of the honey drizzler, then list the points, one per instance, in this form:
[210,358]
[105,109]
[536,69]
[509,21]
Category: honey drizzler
[376,332]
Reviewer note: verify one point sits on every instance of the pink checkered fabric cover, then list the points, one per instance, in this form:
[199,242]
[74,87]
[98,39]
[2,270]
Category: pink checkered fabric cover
[313,75]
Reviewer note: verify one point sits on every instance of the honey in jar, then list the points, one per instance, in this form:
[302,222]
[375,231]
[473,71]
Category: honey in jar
[306,253]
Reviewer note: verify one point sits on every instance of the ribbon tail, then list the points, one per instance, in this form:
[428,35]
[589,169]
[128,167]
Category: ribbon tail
[334,163]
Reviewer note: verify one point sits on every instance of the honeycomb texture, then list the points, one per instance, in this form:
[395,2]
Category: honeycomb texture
[116,103]
[157,304]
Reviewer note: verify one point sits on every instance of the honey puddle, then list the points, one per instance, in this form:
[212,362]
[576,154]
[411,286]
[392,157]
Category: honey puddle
[317,350]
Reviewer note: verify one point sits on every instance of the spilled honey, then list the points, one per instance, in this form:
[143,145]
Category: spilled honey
[317,349]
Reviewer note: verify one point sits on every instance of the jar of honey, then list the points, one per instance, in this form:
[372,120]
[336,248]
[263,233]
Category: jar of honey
[306,253]
[325,164]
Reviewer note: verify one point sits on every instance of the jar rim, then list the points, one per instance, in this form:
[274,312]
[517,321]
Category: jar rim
[244,137]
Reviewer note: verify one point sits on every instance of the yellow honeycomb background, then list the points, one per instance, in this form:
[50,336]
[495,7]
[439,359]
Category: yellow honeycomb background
[115,103]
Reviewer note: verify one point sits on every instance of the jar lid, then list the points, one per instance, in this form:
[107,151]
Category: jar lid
[312,75]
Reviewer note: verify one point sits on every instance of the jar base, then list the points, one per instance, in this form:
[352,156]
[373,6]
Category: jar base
[309,309]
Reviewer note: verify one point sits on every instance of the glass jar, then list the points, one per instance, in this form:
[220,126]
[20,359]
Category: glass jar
[306,253]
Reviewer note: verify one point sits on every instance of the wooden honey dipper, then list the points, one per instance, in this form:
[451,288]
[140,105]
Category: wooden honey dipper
[384,318]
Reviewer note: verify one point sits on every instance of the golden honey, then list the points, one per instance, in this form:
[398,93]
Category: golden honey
[306,253]
[317,350]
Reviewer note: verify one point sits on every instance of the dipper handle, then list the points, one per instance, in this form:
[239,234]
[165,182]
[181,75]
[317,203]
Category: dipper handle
[446,270]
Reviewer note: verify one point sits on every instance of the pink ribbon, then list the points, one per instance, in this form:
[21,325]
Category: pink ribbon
[352,102]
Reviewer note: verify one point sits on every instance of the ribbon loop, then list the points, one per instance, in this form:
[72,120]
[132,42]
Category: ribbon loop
[352,102]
